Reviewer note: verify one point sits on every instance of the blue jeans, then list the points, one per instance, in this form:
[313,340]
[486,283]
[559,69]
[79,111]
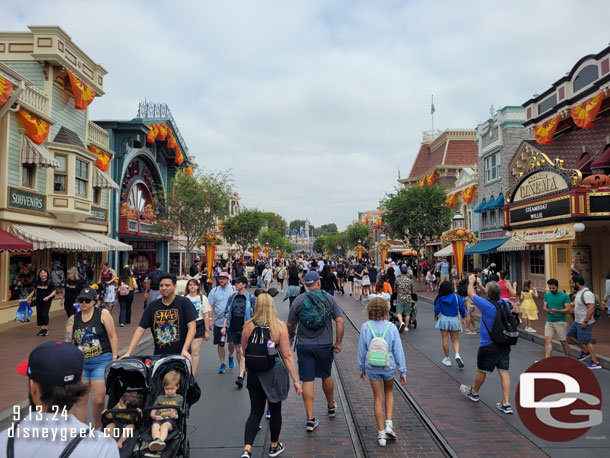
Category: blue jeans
[94,367]
[125,304]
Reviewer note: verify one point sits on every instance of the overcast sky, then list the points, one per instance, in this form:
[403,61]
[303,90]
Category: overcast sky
[315,104]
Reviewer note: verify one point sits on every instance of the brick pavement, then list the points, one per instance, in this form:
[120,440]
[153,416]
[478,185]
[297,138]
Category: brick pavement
[470,429]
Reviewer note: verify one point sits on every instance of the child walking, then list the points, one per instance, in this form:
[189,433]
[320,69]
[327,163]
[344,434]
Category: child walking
[380,354]
[528,306]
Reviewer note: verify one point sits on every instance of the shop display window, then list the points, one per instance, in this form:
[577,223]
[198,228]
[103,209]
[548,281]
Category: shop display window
[21,275]
[537,262]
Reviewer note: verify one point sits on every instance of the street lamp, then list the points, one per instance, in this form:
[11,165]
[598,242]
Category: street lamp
[458,221]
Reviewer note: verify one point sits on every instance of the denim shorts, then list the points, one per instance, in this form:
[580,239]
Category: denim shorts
[582,335]
[493,356]
[235,337]
[315,361]
[380,377]
[94,367]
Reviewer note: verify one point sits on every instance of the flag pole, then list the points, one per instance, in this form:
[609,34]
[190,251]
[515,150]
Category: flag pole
[432,110]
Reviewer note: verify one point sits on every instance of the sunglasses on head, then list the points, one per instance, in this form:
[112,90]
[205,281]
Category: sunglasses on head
[80,300]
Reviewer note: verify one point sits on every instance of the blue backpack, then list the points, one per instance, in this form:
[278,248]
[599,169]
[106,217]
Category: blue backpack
[315,310]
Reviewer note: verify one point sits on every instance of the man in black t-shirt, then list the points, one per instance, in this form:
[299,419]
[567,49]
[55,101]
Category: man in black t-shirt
[171,319]
[194,270]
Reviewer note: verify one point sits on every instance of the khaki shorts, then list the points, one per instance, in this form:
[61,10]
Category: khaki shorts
[556,327]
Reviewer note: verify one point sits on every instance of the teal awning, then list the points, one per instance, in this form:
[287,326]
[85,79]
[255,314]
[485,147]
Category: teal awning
[479,208]
[486,246]
[498,203]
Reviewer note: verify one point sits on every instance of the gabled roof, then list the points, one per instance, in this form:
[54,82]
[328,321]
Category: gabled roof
[66,136]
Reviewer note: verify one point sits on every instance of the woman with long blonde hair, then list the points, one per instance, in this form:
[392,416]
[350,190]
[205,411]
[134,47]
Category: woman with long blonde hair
[270,385]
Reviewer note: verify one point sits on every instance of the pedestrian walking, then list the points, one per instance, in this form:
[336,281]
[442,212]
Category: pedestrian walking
[606,298]
[294,282]
[314,312]
[557,304]
[218,298]
[447,306]
[403,287]
[54,388]
[430,280]
[380,355]
[202,323]
[444,270]
[358,275]
[350,278]
[92,331]
[41,297]
[195,268]
[58,277]
[340,269]
[281,275]
[108,278]
[581,329]
[152,285]
[266,335]
[328,281]
[74,285]
[267,276]
[127,286]
[529,309]
[239,309]
[491,355]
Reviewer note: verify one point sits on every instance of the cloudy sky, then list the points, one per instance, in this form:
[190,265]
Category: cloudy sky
[313,104]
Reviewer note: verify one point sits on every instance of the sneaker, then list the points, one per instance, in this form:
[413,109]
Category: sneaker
[156,454]
[594,365]
[222,369]
[504,408]
[122,325]
[446,361]
[459,362]
[530,330]
[275,451]
[389,430]
[312,424]
[332,411]
[268,415]
[156,445]
[381,438]
[43,332]
[246,454]
[583,356]
[402,327]
[239,382]
[467,391]
[231,362]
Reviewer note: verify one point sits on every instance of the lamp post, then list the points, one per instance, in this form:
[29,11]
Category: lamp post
[458,221]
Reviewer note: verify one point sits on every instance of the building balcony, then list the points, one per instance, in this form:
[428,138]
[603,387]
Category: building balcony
[69,209]
[129,225]
[35,101]
[97,136]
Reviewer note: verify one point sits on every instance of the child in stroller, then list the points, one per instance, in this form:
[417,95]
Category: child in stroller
[164,420]
[412,313]
[123,423]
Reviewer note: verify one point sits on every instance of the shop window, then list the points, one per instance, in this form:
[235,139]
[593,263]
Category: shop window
[28,176]
[82,176]
[585,77]
[97,196]
[21,276]
[492,167]
[484,220]
[60,174]
[537,262]
[547,104]
[501,218]
[492,218]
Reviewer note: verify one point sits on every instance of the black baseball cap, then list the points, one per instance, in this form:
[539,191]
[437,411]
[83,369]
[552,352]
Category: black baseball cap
[54,364]
[241,279]
[87,293]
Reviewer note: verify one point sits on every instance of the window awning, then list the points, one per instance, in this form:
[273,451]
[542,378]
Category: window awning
[480,207]
[512,245]
[82,240]
[112,244]
[10,242]
[103,180]
[447,251]
[485,246]
[498,202]
[46,238]
[31,153]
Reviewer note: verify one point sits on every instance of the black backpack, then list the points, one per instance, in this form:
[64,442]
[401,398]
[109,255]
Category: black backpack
[504,330]
[340,268]
[155,280]
[257,357]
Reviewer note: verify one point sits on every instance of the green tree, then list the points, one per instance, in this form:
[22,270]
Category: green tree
[195,205]
[319,246]
[417,215]
[358,233]
[275,222]
[272,239]
[326,229]
[336,243]
[297,224]
[243,228]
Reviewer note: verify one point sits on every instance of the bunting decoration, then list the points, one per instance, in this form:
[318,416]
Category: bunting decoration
[163,128]
[36,128]
[468,194]
[584,113]
[431,178]
[82,93]
[421,183]
[189,170]
[378,223]
[544,132]
[179,157]
[153,132]
[103,159]
[452,199]
[171,141]
[6,87]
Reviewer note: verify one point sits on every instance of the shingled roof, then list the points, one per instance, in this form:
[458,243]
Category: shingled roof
[68,137]
[451,152]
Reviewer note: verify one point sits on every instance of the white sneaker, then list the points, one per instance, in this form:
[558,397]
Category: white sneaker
[530,329]
[446,361]
[389,430]
[381,438]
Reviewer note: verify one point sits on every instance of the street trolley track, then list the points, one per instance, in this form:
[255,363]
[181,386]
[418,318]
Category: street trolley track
[434,433]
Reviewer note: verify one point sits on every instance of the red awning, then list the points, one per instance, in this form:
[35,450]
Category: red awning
[9,242]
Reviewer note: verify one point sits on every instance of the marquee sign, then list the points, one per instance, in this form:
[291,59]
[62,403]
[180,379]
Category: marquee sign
[540,211]
[546,234]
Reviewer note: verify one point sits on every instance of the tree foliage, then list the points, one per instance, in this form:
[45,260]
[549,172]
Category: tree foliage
[326,229]
[358,233]
[336,243]
[195,205]
[417,214]
[243,228]
[297,224]
[319,245]
[275,222]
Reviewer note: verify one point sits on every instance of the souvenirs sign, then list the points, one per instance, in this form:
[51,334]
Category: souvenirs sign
[98,214]
[24,200]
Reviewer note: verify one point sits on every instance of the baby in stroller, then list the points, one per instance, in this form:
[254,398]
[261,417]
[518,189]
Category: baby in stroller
[122,423]
[165,420]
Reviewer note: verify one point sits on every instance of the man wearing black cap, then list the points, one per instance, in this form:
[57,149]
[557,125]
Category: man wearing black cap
[54,371]
[314,311]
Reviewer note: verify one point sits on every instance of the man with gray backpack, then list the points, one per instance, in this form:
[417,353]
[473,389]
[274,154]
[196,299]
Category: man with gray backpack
[314,312]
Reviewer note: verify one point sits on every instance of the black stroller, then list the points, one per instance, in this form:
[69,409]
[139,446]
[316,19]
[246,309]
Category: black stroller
[413,315]
[253,278]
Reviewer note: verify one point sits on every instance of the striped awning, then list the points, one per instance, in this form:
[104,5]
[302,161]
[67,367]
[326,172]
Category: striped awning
[103,180]
[46,238]
[512,245]
[447,251]
[111,244]
[83,240]
[31,153]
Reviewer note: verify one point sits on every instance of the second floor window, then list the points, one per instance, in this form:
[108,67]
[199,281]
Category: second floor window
[492,167]
[60,174]
[97,196]
[484,220]
[492,218]
[28,176]
[82,174]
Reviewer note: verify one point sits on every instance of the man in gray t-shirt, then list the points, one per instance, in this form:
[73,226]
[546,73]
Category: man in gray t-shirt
[315,349]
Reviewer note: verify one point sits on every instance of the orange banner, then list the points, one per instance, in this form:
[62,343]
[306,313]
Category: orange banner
[179,157]
[171,141]
[544,132]
[584,113]
[36,128]
[189,170]
[451,199]
[103,159]
[6,87]
[82,93]
[458,255]
[153,131]
[469,193]
[162,132]
[431,178]
[210,251]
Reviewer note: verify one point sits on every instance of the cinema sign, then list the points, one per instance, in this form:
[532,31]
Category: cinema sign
[540,184]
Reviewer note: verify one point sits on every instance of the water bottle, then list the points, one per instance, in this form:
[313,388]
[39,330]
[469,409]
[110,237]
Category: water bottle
[223,340]
[271,347]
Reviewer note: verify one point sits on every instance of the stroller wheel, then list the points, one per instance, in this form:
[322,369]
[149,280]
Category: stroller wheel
[414,321]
